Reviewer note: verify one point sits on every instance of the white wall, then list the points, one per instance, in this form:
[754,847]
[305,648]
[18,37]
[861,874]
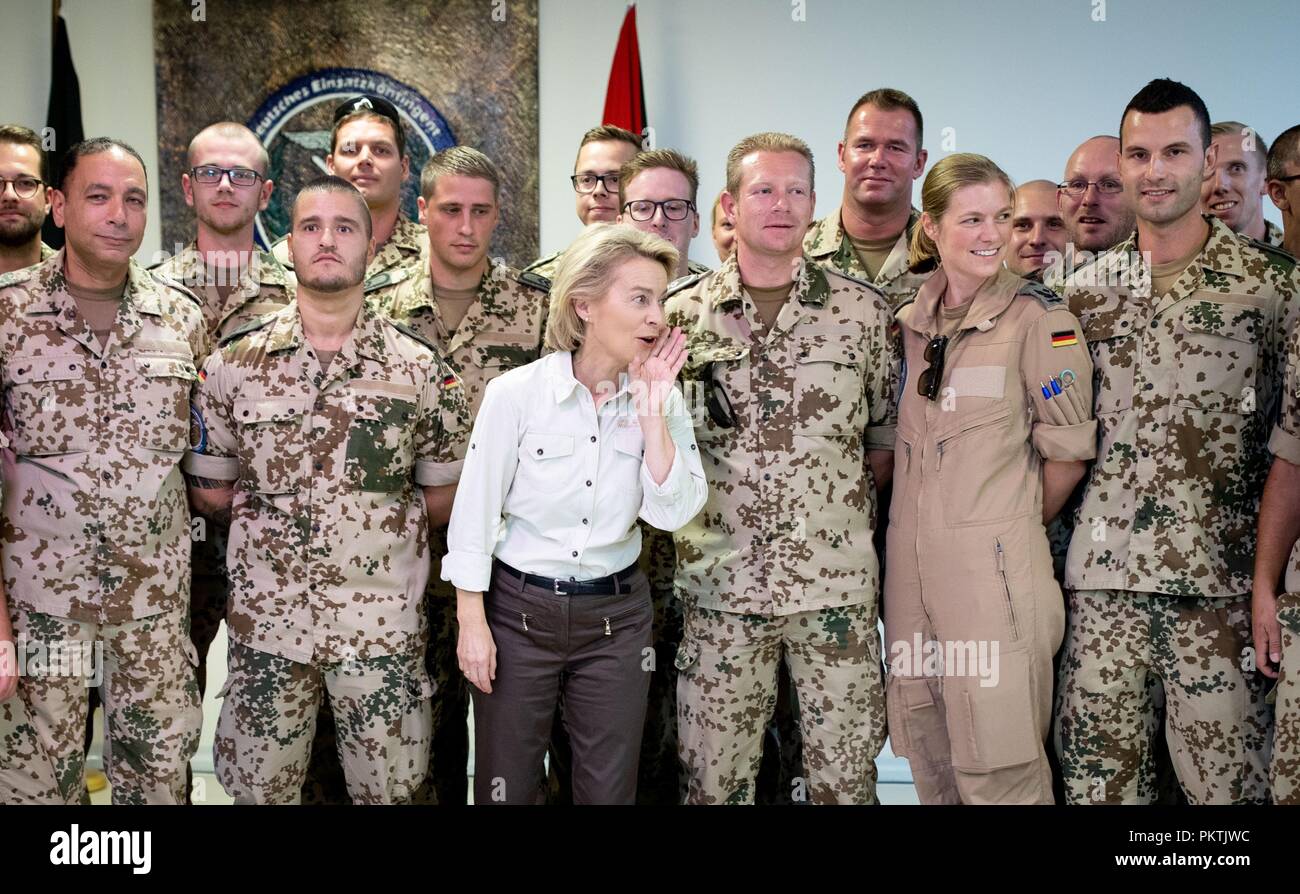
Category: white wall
[1023,81]
[112,50]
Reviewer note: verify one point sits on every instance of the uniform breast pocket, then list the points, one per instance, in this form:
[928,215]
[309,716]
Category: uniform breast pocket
[381,444]
[629,451]
[1114,355]
[975,463]
[50,403]
[163,404]
[1218,358]
[546,462]
[829,399]
[272,445]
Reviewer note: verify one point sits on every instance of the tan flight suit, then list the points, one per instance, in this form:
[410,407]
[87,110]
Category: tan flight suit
[969,577]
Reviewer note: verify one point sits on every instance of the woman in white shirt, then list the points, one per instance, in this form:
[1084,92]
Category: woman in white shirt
[566,453]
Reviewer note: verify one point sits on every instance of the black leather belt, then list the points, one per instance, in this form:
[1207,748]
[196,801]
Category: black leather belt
[600,586]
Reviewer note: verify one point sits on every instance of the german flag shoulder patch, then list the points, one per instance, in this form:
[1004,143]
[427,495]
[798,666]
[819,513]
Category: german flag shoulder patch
[1064,339]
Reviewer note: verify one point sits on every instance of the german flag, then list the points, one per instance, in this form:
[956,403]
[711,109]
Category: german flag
[450,381]
[1064,338]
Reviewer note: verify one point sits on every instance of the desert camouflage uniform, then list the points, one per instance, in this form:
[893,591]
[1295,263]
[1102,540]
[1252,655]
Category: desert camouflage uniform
[502,329]
[96,531]
[779,565]
[828,245]
[1187,386]
[1272,234]
[398,259]
[545,265]
[264,287]
[328,554]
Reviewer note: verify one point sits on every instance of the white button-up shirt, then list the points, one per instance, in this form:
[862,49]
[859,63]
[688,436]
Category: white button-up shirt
[553,487]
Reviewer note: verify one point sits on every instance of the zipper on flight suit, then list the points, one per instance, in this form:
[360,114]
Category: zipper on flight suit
[523,617]
[608,632]
[1006,588]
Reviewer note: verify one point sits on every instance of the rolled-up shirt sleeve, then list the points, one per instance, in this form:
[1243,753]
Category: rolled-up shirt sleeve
[669,506]
[213,450]
[1285,441]
[441,429]
[485,479]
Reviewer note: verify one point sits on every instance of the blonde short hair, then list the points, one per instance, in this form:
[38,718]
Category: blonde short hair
[586,269]
[770,141]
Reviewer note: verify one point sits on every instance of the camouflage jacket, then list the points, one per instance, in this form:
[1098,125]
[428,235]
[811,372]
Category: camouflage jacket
[502,329]
[329,550]
[792,502]
[403,255]
[47,252]
[1186,387]
[828,245]
[96,522]
[263,288]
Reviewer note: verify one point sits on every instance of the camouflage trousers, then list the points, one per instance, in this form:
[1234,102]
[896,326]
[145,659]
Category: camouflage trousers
[151,708]
[26,773]
[1217,721]
[268,717]
[726,694]
[1284,772]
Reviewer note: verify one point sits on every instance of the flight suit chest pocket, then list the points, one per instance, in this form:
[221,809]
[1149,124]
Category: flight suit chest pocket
[1218,358]
[829,391]
[163,404]
[381,444]
[50,404]
[1114,349]
[546,462]
[969,458]
[272,444]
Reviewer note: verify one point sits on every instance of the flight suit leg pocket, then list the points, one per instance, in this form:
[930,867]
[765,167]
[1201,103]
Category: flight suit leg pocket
[990,716]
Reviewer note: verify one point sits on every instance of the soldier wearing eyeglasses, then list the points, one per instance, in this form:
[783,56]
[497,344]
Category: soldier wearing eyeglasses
[601,156]
[226,185]
[1283,185]
[24,198]
[657,192]
[779,566]
[1098,214]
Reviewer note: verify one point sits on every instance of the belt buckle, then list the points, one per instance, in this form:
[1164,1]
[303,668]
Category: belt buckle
[556,587]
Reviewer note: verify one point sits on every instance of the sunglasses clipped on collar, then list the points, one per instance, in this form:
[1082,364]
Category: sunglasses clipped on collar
[716,400]
[927,384]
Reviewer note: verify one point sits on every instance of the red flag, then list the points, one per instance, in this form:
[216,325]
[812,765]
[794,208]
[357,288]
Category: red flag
[625,98]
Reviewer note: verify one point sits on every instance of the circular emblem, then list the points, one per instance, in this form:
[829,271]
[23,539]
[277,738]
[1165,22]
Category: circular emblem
[294,125]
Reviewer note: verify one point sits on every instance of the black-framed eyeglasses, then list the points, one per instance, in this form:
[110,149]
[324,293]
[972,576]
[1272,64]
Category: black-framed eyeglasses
[585,183]
[1288,179]
[716,400]
[927,384]
[24,187]
[644,209]
[210,174]
[1076,188]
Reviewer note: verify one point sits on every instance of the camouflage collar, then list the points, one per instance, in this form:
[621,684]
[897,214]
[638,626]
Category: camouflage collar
[263,270]
[51,294]
[991,300]
[828,238]
[810,286]
[492,284]
[407,236]
[1221,254]
[366,340]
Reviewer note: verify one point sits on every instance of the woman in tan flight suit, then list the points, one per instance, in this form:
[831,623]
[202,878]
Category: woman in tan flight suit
[973,614]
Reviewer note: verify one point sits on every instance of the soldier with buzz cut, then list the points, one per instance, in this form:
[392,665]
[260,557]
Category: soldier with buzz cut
[332,438]
[485,318]
[97,362]
[368,149]
[1187,324]
[596,172]
[868,235]
[798,371]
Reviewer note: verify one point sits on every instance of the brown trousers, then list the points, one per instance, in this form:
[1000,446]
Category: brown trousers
[596,653]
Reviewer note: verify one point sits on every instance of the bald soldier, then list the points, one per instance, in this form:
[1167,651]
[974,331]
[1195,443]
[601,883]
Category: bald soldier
[368,149]
[1234,191]
[1038,234]
[226,184]
[1186,323]
[1284,185]
[97,361]
[881,156]
[333,439]
[799,371]
[24,198]
[601,155]
[1097,211]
